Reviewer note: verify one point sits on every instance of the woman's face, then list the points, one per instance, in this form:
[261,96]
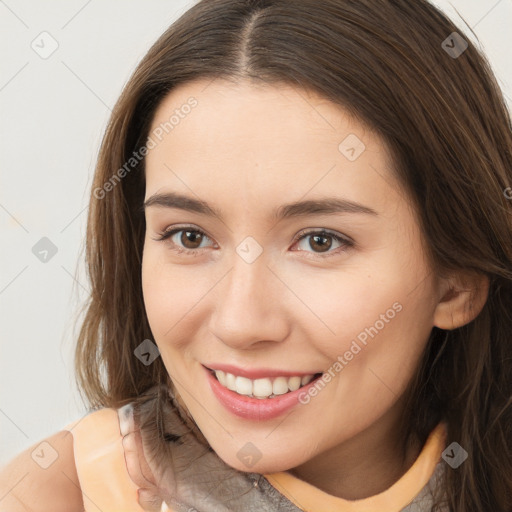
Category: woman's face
[295,252]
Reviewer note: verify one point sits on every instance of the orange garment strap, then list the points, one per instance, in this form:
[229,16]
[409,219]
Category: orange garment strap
[395,498]
[100,463]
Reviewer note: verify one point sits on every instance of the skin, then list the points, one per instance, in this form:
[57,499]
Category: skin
[27,486]
[247,149]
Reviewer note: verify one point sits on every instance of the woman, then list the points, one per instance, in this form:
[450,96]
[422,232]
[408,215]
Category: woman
[340,337]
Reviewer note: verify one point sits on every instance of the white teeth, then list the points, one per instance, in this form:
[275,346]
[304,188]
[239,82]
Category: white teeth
[221,376]
[261,388]
[243,386]
[294,383]
[280,386]
[306,380]
[230,381]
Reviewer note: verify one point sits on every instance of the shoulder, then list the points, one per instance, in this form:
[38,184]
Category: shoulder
[42,478]
[47,476]
[98,424]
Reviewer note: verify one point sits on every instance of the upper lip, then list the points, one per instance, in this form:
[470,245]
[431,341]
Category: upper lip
[255,373]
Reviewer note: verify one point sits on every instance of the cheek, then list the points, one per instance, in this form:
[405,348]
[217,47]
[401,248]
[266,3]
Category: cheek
[172,293]
[369,319]
[164,297]
[378,358]
[168,299]
[344,301]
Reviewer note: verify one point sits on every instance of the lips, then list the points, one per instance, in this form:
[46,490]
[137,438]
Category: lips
[257,409]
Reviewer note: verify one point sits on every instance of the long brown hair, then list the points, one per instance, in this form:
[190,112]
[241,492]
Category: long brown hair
[439,109]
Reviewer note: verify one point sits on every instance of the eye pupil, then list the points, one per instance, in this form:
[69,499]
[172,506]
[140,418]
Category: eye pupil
[315,239]
[191,237]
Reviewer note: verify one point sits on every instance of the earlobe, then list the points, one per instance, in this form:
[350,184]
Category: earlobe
[462,301]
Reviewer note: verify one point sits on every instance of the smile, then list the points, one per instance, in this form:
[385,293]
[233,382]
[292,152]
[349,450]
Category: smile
[262,388]
[267,395]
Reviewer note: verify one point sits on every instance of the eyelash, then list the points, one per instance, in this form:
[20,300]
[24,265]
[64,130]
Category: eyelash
[346,242]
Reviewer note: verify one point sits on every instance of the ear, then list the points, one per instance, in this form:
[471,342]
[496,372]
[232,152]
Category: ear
[462,297]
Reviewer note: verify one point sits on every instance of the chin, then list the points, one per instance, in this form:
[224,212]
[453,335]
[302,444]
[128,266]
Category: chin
[261,467]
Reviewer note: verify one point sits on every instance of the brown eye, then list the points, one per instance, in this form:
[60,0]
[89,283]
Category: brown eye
[184,240]
[320,243]
[191,239]
[314,243]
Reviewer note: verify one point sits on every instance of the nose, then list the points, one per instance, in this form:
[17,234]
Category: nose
[251,306]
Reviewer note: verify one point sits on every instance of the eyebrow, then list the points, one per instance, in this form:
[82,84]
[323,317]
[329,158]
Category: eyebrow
[322,206]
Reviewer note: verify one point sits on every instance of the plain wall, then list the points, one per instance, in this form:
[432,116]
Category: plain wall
[53,113]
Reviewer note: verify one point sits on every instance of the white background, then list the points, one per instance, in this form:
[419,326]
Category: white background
[53,113]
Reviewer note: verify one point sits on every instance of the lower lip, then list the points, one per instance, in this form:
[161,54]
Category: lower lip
[254,408]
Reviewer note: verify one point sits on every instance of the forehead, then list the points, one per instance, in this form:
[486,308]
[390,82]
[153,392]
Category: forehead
[246,111]
[275,142]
